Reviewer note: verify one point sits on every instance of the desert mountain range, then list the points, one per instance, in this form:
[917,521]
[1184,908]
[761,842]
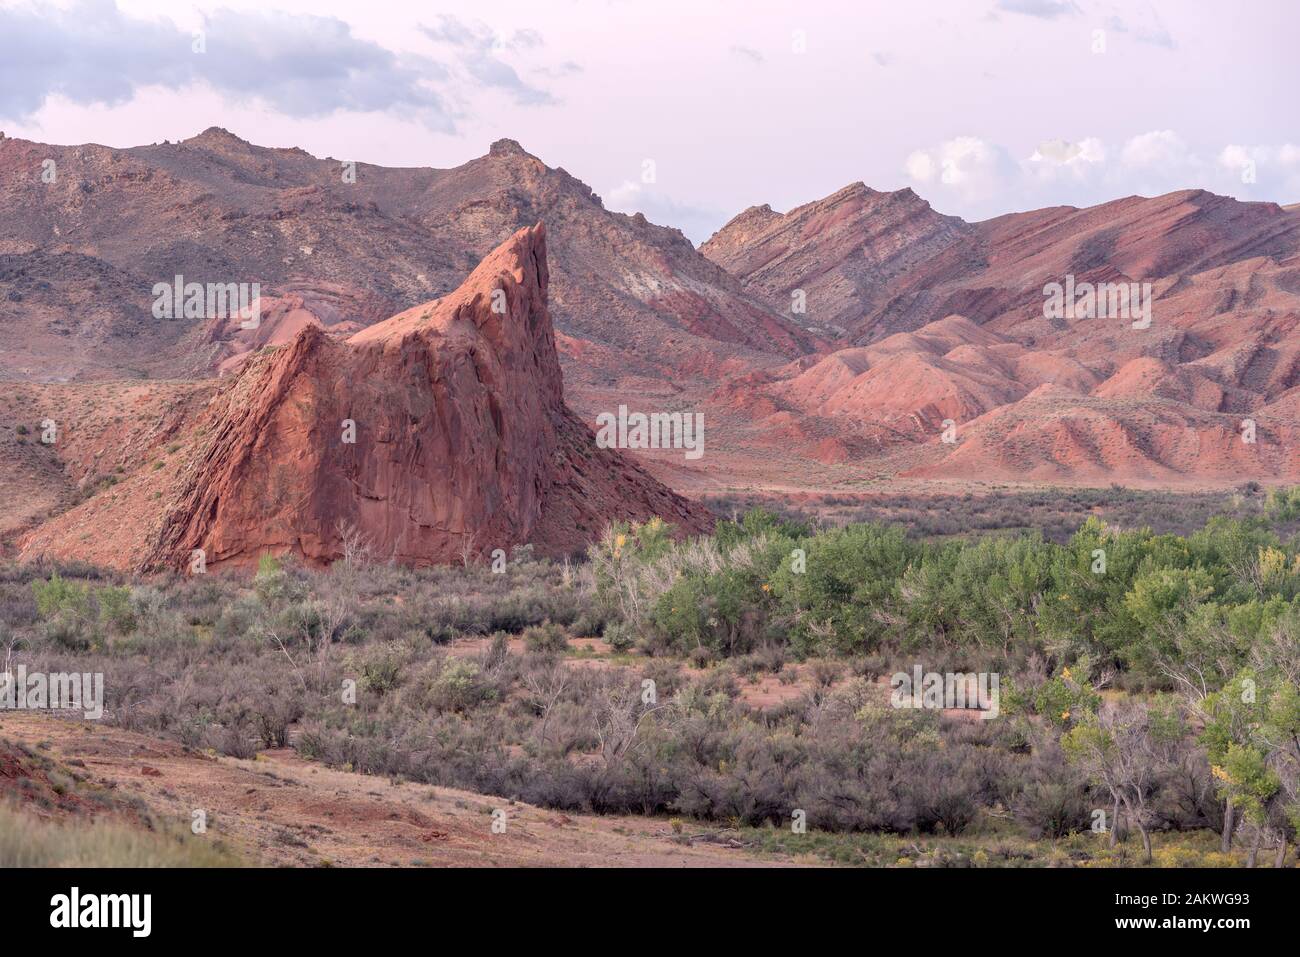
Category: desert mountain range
[945,320]
[831,347]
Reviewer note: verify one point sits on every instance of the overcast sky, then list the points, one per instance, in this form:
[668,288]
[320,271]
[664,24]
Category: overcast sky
[982,106]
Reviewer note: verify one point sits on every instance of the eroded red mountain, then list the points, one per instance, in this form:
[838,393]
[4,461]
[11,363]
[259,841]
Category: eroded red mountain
[331,242]
[942,328]
[436,435]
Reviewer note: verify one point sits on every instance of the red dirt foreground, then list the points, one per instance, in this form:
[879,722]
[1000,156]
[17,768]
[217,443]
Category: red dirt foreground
[439,432]
[282,811]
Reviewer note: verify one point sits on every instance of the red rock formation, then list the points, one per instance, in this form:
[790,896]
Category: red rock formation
[646,319]
[1035,398]
[462,439]
[876,263]
[850,254]
[338,309]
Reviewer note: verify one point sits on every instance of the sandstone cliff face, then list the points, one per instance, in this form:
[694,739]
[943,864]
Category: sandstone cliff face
[462,442]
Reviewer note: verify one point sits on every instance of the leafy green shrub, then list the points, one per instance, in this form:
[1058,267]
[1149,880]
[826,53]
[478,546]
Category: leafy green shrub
[115,609]
[59,595]
[547,636]
[1284,504]
[842,597]
[619,636]
[381,669]
[460,686]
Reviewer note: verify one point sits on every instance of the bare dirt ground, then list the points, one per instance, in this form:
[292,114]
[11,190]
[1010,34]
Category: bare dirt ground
[280,810]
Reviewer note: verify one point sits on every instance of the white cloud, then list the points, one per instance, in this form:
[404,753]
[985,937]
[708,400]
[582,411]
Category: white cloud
[1043,9]
[1261,171]
[525,39]
[921,167]
[479,45]
[1152,32]
[93,53]
[1159,149]
[1057,159]
[971,177]
[696,222]
[1160,161]
[748,53]
[1235,157]
[971,170]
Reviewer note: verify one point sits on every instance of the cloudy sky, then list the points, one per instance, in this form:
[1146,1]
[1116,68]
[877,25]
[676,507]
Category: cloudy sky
[982,106]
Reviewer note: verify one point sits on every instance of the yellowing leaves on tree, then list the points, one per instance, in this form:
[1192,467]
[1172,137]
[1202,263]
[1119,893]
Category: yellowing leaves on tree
[1272,565]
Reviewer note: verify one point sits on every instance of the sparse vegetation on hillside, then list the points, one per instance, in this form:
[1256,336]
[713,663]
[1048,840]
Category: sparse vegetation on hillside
[52,815]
